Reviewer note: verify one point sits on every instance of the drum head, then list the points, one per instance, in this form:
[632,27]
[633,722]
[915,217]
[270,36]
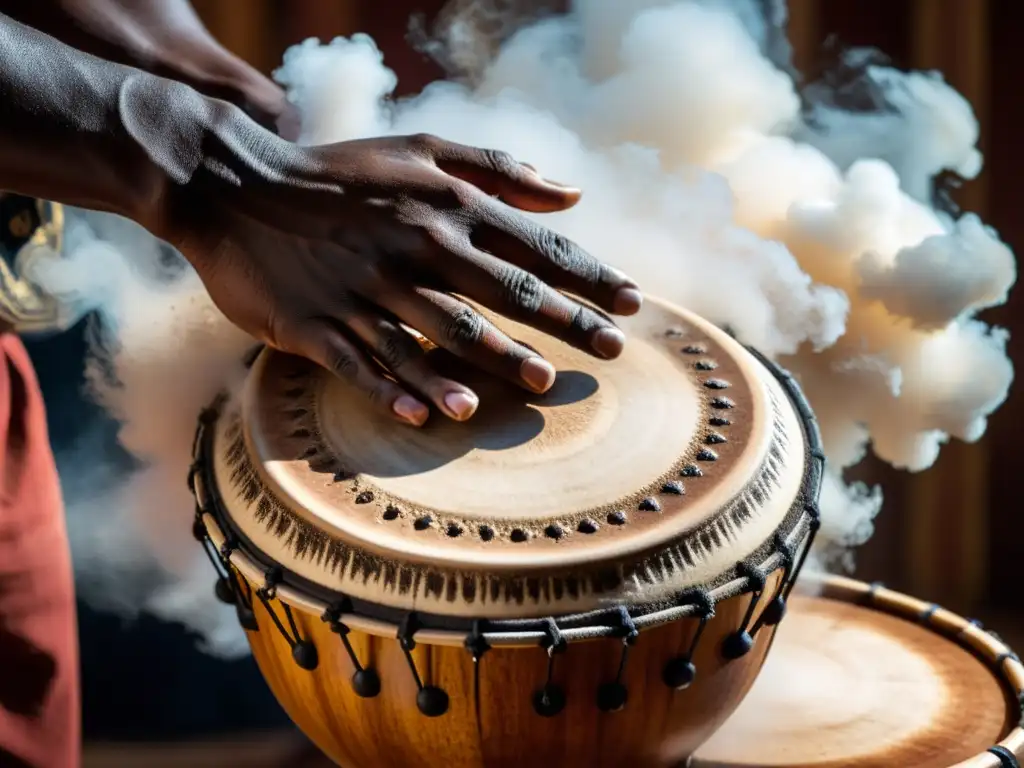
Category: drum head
[686,447]
[850,686]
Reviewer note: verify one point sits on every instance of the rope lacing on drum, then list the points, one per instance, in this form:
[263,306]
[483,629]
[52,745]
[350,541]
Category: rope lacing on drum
[303,651]
[1006,758]
[776,609]
[926,615]
[365,682]
[430,700]
[611,697]
[680,672]
[477,646]
[740,642]
[549,700]
[813,524]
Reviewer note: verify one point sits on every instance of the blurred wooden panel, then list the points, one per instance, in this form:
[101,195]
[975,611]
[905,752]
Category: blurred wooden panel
[323,19]
[1005,172]
[947,509]
[244,27]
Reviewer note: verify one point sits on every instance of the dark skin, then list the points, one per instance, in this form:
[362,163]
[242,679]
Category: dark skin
[320,251]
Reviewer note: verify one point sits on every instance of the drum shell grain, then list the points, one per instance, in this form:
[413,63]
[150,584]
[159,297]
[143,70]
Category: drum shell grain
[491,721]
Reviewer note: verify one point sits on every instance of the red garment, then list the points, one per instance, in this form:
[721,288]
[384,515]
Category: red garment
[39,694]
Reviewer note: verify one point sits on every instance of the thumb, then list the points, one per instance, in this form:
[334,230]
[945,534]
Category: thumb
[500,174]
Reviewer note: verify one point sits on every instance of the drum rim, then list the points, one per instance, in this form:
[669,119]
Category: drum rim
[968,634]
[787,548]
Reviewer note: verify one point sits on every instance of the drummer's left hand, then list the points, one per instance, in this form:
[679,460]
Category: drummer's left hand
[164,37]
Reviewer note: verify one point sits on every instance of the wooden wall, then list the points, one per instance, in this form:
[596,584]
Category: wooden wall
[953,534]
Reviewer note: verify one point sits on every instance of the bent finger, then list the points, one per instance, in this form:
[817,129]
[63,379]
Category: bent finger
[400,354]
[323,343]
[522,296]
[457,327]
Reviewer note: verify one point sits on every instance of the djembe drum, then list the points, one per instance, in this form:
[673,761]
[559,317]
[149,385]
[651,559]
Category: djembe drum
[864,677]
[586,577]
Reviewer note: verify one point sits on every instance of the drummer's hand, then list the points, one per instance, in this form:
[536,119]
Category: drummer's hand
[328,250]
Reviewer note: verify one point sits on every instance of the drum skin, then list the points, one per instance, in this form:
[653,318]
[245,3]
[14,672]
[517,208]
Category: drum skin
[495,725]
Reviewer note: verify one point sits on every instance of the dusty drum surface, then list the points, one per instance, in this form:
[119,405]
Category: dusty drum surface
[591,574]
[865,677]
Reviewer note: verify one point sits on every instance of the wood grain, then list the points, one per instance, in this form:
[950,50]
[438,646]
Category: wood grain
[492,723]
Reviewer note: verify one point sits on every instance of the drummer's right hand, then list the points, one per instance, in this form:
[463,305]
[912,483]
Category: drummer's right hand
[328,251]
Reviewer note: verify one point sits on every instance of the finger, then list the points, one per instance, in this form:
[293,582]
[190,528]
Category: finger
[522,296]
[324,344]
[400,354]
[455,326]
[556,259]
[498,173]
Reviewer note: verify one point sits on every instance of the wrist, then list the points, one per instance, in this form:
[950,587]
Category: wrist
[199,152]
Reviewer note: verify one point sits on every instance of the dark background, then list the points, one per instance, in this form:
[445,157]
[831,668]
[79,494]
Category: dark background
[953,534]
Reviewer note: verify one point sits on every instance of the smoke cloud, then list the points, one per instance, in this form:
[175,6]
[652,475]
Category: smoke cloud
[801,220]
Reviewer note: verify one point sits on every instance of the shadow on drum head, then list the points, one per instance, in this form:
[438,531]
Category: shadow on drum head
[507,418]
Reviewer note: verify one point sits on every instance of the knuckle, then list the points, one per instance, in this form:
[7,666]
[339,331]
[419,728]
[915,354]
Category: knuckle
[341,361]
[523,290]
[501,162]
[463,329]
[426,143]
[563,253]
[378,394]
[584,321]
[393,350]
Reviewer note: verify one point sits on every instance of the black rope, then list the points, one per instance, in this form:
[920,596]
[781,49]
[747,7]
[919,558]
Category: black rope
[365,682]
[554,643]
[270,581]
[476,643]
[813,524]
[291,620]
[430,700]
[927,613]
[1006,656]
[740,642]
[776,609]
[262,595]
[611,697]
[1006,758]
[477,646]
[549,700]
[406,630]
[680,672]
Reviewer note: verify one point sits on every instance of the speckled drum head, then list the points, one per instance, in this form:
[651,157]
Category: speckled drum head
[651,492]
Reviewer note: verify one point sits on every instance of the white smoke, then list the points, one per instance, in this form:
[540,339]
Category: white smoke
[810,233]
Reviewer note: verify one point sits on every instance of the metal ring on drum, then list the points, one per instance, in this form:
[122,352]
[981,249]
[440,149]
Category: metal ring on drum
[594,575]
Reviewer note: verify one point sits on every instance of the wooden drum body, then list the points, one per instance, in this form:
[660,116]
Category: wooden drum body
[588,577]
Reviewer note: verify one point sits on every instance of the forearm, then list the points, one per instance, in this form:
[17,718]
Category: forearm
[82,131]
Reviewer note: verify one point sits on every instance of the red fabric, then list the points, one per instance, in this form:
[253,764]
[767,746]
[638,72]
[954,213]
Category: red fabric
[39,696]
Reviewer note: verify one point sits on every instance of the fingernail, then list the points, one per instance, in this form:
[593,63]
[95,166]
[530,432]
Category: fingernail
[538,374]
[411,410]
[564,187]
[461,405]
[627,301]
[608,342]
